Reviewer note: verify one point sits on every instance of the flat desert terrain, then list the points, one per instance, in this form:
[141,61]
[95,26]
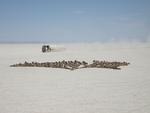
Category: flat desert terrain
[89,90]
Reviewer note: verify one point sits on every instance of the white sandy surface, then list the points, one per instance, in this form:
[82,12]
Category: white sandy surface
[47,90]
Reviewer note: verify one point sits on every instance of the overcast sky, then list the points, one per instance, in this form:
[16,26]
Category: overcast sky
[74,20]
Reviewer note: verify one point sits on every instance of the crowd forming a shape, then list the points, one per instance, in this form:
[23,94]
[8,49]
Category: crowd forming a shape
[72,65]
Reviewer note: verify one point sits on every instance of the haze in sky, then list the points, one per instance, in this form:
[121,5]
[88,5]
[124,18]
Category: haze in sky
[74,20]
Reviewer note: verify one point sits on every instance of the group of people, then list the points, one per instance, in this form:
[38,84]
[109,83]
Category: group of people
[72,65]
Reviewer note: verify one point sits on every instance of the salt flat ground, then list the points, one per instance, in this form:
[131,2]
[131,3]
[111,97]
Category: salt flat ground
[47,90]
